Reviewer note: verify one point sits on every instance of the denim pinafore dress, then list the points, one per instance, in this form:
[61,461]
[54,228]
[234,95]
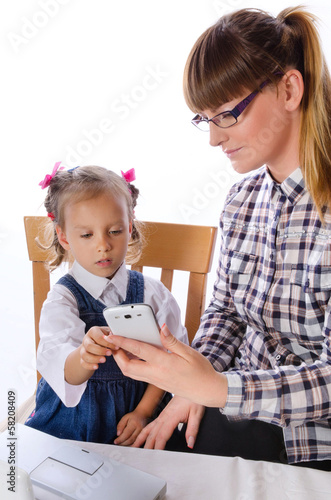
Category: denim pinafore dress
[108,396]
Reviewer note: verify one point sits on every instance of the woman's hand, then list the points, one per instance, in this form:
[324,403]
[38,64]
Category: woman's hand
[182,371]
[179,410]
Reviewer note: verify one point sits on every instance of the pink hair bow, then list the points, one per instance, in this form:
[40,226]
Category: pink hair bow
[51,216]
[129,176]
[48,177]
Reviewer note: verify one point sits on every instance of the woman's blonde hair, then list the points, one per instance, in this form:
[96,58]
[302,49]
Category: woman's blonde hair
[249,46]
[84,183]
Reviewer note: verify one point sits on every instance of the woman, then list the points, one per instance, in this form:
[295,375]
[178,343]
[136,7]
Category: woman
[261,362]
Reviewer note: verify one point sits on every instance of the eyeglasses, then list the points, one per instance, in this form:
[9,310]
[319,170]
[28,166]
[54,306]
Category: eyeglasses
[227,118]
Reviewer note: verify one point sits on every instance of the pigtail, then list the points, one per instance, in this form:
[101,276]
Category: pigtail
[57,254]
[315,133]
[82,183]
[136,242]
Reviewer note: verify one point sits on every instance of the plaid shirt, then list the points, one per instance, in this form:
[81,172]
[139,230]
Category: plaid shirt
[268,325]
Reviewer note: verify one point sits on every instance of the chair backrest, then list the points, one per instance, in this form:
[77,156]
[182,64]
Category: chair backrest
[168,246]
[181,247]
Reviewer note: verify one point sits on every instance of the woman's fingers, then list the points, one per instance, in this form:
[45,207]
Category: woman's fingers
[156,434]
[178,369]
[148,352]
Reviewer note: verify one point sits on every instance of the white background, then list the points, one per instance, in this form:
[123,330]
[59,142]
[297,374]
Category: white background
[100,82]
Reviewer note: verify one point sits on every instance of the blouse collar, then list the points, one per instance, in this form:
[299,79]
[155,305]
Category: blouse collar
[97,285]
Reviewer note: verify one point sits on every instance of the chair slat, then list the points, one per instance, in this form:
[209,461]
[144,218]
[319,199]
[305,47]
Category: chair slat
[41,286]
[195,303]
[137,268]
[167,277]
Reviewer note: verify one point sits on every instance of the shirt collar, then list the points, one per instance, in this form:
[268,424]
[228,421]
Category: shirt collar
[292,187]
[96,285]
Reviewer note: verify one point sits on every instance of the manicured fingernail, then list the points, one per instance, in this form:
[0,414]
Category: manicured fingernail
[190,442]
[165,330]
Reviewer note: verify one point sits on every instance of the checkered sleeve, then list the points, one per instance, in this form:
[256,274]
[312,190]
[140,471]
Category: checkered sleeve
[286,395]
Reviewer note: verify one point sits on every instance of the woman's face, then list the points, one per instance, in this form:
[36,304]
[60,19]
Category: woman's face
[266,134]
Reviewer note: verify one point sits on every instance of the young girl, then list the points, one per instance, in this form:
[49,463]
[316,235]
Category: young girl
[261,87]
[83,395]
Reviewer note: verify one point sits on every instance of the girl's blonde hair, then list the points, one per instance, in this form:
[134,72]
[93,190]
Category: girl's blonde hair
[84,183]
[249,46]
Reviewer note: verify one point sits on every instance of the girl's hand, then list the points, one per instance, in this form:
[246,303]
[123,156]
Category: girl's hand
[129,427]
[94,348]
[182,371]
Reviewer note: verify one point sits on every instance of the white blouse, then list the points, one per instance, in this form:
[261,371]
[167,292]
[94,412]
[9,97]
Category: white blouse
[62,331]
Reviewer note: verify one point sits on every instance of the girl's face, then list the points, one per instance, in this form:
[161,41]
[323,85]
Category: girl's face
[97,232]
[266,133]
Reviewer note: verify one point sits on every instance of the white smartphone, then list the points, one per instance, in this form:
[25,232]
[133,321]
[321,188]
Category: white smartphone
[134,321]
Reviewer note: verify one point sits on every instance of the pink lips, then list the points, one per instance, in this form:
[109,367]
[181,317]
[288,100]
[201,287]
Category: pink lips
[230,152]
[104,263]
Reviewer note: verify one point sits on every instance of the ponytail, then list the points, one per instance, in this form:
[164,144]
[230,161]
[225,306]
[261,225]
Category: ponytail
[315,133]
[249,46]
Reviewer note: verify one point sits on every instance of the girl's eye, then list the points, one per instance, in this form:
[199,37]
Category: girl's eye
[118,231]
[86,235]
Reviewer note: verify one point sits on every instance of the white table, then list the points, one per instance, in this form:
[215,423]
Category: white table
[191,476]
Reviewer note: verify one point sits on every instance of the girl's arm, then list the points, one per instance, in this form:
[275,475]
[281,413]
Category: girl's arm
[61,334]
[131,424]
[84,360]
[149,401]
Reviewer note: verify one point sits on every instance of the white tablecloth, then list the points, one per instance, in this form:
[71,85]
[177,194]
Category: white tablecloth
[191,476]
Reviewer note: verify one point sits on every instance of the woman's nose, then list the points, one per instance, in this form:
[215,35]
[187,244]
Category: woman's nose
[217,135]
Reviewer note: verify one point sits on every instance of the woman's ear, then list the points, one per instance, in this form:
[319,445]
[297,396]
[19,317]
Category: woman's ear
[294,88]
[62,238]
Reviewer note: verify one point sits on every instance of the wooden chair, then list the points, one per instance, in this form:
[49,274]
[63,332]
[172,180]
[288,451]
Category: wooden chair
[169,247]
[181,247]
